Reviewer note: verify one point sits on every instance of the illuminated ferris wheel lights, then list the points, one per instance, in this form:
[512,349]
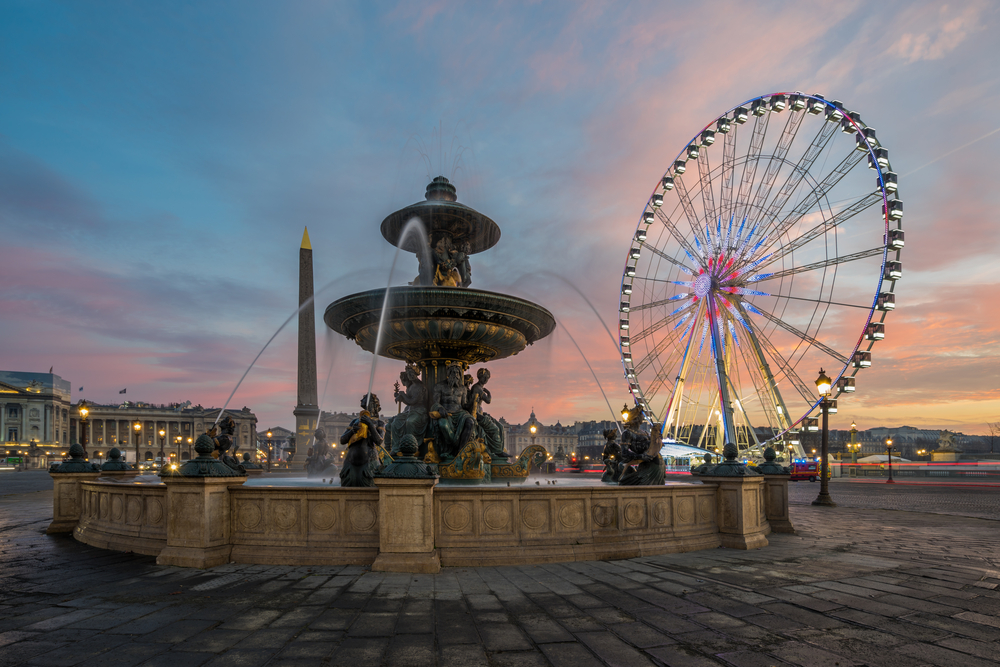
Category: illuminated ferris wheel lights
[657,200]
[891,181]
[893,270]
[897,239]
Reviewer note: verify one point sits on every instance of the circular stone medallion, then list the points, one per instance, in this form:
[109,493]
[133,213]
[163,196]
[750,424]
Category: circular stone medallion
[496,517]
[457,517]
[324,516]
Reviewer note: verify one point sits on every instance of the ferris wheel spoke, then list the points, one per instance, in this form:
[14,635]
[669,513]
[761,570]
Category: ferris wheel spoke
[800,170]
[833,261]
[688,207]
[678,392]
[707,196]
[655,352]
[804,336]
[750,165]
[817,194]
[674,232]
[836,220]
[728,170]
[659,253]
[786,369]
[657,304]
[770,385]
[654,327]
[778,158]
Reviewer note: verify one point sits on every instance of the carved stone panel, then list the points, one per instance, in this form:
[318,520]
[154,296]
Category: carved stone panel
[362,516]
[249,516]
[634,513]
[706,509]
[456,517]
[570,515]
[497,517]
[605,514]
[684,511]
[662,512]
[535,517]
[323,515]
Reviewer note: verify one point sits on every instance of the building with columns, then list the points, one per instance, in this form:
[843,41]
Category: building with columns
[34,416]
[115,426]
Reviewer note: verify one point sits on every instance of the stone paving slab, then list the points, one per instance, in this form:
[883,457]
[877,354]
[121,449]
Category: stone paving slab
[857,585]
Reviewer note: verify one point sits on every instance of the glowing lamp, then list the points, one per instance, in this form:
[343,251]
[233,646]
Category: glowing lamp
[823,383]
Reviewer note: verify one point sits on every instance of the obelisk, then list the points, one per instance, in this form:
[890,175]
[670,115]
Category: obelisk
[307,409]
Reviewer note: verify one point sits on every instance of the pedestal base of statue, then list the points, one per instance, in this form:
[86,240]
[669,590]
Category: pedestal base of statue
[776,503]
[198,521]
[406,526]
[740,512]
[67,500]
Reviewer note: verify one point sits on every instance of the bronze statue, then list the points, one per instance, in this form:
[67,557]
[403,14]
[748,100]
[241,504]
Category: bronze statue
[320,458]
[223,437]
[461,259]
[644,449]
[489,429]
[612,457]
[413,419]
[454,424]
[445,273]
[361,437]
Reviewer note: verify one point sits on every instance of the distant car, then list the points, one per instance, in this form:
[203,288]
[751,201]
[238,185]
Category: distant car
[806,470]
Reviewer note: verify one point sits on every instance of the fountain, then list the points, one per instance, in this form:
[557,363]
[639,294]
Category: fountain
[423,503]
[440,326]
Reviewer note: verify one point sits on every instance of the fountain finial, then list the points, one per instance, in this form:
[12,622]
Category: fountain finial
[441,189]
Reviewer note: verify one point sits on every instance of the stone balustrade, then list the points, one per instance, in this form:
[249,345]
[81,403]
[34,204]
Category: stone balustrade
[416,525]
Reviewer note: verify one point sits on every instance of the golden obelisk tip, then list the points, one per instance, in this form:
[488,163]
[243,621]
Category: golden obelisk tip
[305,239]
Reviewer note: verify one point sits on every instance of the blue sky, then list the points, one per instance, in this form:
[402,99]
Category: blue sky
[158,163]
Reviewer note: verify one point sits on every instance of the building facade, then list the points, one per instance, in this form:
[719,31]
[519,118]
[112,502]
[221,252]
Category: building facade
[110,426]
[35,411]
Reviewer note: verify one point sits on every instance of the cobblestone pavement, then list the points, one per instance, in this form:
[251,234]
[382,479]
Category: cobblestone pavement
[855,586]
[956,497]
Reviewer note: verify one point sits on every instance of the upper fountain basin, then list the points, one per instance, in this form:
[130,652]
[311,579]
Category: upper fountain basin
[446,323]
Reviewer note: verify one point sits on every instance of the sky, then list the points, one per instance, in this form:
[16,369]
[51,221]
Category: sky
[159,162]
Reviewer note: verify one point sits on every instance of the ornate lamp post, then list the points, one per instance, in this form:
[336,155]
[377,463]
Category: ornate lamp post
[84,411]
[853,445]
[888,449]
[269,448]
[162,453]
[137,427]
[177,446]
[823,386]
[189,448]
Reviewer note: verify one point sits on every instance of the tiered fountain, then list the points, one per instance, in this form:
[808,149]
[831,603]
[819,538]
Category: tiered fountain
[440,327]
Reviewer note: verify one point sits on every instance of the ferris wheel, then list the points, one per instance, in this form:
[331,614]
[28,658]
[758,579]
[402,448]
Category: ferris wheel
[770,249]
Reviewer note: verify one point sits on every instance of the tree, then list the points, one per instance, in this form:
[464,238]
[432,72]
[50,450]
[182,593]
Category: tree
[994,432]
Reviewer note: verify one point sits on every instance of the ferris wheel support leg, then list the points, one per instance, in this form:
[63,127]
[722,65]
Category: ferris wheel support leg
[725,404]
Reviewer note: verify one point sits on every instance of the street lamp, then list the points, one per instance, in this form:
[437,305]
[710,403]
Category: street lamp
[269,451]
[189,447]
[162,453]
[888,449]
[137,427]
[177,446]
[823,386]
[83,425]
[625,413]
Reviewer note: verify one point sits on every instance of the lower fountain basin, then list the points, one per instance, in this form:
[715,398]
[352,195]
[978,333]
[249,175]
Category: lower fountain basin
[449,323]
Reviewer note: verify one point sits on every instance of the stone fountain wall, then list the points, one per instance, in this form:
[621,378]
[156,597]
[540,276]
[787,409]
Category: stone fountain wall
[205,522]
